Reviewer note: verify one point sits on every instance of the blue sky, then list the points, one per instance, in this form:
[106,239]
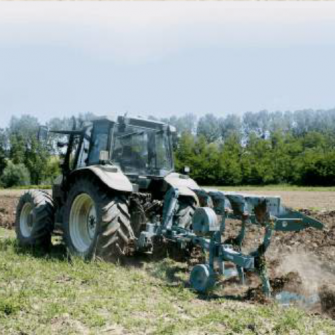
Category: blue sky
[164,58]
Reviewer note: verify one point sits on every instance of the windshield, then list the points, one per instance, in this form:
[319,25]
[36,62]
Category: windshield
[144,152]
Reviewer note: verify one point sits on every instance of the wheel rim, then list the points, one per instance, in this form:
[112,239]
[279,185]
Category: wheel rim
[26,220]
[83,222]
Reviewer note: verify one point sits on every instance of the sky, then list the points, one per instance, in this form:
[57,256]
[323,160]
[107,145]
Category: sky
[165,58]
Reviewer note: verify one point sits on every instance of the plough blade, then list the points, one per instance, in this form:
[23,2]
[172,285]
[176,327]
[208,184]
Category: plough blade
[289,220]
[244,261]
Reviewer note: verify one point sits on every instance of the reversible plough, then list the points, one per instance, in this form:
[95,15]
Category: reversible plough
[209,227]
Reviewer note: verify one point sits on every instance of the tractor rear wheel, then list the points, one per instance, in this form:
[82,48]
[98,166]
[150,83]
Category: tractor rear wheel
[97,223]
[34,219]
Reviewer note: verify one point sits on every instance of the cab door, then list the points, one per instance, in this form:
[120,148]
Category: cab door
[100,141]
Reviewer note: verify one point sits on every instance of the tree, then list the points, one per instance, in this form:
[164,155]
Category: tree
[209,127]
[15,175]
[231,125]
[2,150]
[17,148]
[36,160]
[53,170]
[184,123]
[25,148]
[229,164]
[257,161]
[184,154]
[26,126]
[257,123]
[205,159]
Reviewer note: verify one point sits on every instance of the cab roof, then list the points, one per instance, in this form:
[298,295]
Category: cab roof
[136,122]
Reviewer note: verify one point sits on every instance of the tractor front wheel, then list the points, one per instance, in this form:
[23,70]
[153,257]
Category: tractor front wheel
[35,219]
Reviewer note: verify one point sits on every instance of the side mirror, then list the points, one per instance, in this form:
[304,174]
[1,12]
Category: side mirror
[103,156]
[42,134]
[187,170]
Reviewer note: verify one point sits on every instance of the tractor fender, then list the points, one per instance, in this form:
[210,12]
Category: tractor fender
[109,175]
[184,184]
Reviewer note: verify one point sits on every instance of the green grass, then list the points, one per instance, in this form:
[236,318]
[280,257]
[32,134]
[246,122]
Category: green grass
[49,294]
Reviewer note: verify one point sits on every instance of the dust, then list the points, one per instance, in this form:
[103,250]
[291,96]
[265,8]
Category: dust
[310,281]
[312,271]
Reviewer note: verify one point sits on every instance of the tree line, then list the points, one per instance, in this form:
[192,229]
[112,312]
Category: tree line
[24,160]
[257,148]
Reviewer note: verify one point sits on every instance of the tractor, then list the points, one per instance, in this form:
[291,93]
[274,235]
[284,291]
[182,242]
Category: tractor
[119,194]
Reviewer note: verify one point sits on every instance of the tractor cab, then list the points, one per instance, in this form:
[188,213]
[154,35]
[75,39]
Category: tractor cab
[138,147]
[142,147]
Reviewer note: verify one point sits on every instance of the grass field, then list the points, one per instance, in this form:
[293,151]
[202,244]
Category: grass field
[51,295]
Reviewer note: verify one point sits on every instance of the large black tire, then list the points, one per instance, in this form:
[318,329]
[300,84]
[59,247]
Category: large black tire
[34,219]
[97,223]
[184,212]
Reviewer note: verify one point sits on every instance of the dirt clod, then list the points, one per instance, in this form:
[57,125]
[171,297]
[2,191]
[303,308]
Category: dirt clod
[327,298]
